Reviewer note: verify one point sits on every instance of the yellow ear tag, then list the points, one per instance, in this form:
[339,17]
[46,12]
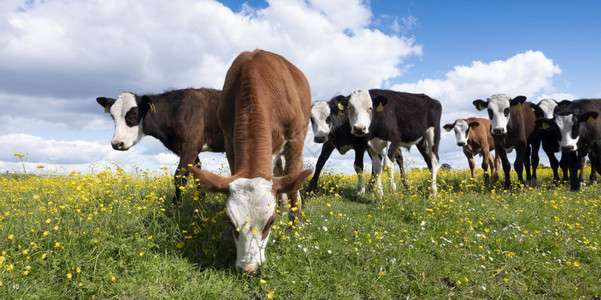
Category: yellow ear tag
[590,120]
[152,108]
[380,107]
[480,107]
[546,126]
[339,114]
[340,106]
[107,109]
[520,106]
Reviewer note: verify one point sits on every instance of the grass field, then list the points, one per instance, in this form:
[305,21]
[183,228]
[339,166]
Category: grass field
[115,235]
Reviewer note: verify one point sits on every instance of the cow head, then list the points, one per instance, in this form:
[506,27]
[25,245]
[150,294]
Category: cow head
[498,107]
[462,130]
[545,108]
[326,116]
[251,210]
[359,109]
[127,111]
[567,128]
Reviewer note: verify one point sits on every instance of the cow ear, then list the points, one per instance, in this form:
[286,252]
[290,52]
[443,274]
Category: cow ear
[379,102]
[562,105]
[290,183]
[210,181]
[544,124]
[148,104]
[590,117]
[480,104]
[448,127]
[106,103]
[474,125]
[518,102]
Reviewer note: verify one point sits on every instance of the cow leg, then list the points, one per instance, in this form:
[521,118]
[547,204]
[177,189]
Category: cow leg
[595,166]
[574,166]
[581,163]
[533,181]
[376,170]
[549,150]
[399,159]
[563,164]
[426,148]
[358,164]
[518,165]
[472,163]
[389,166]
[181,173]
[506,166]
[278,170]
[293,151]
[496,165]
[326,151]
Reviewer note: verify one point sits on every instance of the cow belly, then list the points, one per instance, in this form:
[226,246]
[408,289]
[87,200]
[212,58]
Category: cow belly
[378,144]
[508,150]
[411,143]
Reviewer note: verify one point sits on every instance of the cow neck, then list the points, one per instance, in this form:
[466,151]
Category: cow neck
[156,126]
[252,138]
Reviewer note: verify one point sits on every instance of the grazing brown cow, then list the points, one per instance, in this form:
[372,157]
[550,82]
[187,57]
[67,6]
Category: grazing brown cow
[264,113]
[473,135]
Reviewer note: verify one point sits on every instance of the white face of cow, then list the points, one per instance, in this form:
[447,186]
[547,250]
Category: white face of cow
[461,132]
[251,210]
[498,113]
[547,106]
[359,109]
[565,124]
[320,121]
[128,124]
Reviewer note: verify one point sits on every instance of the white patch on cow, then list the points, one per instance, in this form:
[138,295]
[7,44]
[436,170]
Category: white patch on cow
[360,107]
[360,183]
[320,113]
[565,123]
[498,110]
[547,106]
[125,135]
[461,132]
[411,143]
[250,205]
[205,148]
[379,158]
[430,133]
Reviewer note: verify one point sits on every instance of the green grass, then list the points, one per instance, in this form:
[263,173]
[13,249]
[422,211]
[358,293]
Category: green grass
[115,235]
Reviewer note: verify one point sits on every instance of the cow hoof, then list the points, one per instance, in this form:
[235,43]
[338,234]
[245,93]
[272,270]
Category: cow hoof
[361,191]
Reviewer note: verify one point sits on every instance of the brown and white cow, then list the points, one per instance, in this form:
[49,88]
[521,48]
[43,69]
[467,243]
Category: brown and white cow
[473,135]
[183,120]
[264,112]
[512,125]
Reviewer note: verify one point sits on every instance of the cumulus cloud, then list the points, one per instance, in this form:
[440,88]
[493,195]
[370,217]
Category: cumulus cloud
[527,74]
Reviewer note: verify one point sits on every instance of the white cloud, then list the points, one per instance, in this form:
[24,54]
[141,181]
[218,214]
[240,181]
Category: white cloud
[525,74]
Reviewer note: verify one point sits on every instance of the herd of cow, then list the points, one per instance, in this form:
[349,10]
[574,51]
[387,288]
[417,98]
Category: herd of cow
[263,113]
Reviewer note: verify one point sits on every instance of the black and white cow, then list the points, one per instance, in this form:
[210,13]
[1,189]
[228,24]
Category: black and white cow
[545,109]
[578,131]
[331,127]
[512,125]
[401,119]
[183,120]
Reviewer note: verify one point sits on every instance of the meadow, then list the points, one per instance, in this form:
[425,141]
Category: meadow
[115,234]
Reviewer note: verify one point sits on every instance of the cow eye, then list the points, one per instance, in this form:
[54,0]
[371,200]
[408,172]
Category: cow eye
[490,114]
[328,120]
[369,109]
[506,112]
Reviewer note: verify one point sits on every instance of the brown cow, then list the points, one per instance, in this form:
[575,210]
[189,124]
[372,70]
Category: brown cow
[473,135]
[264,113]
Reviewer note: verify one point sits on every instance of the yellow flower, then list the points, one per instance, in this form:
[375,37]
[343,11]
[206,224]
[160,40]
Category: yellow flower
[78,270]
[69,275]
[262,281]
[10,237]
[270,295]
[576,264]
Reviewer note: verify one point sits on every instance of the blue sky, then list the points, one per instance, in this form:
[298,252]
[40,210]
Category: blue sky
[57,57]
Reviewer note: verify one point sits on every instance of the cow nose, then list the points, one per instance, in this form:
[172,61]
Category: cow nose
[568,148]
[498,131]
[460,144]
[319,139]
[250,270]
[117,145]
[359,130]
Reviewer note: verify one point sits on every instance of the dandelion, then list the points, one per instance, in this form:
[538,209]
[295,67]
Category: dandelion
[270,295]
[69,275]
[262,281]
[10,237]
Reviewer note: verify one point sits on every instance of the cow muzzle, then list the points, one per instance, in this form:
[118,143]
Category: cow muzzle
[118,146]
[460,144]
[249,270]
[320,139]
[498,131]
[568,148]
[359,130]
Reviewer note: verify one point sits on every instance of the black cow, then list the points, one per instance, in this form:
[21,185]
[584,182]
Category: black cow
[512,125]
[331,127]
[401,119]
[578,131]
[545,109]
[183,120]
